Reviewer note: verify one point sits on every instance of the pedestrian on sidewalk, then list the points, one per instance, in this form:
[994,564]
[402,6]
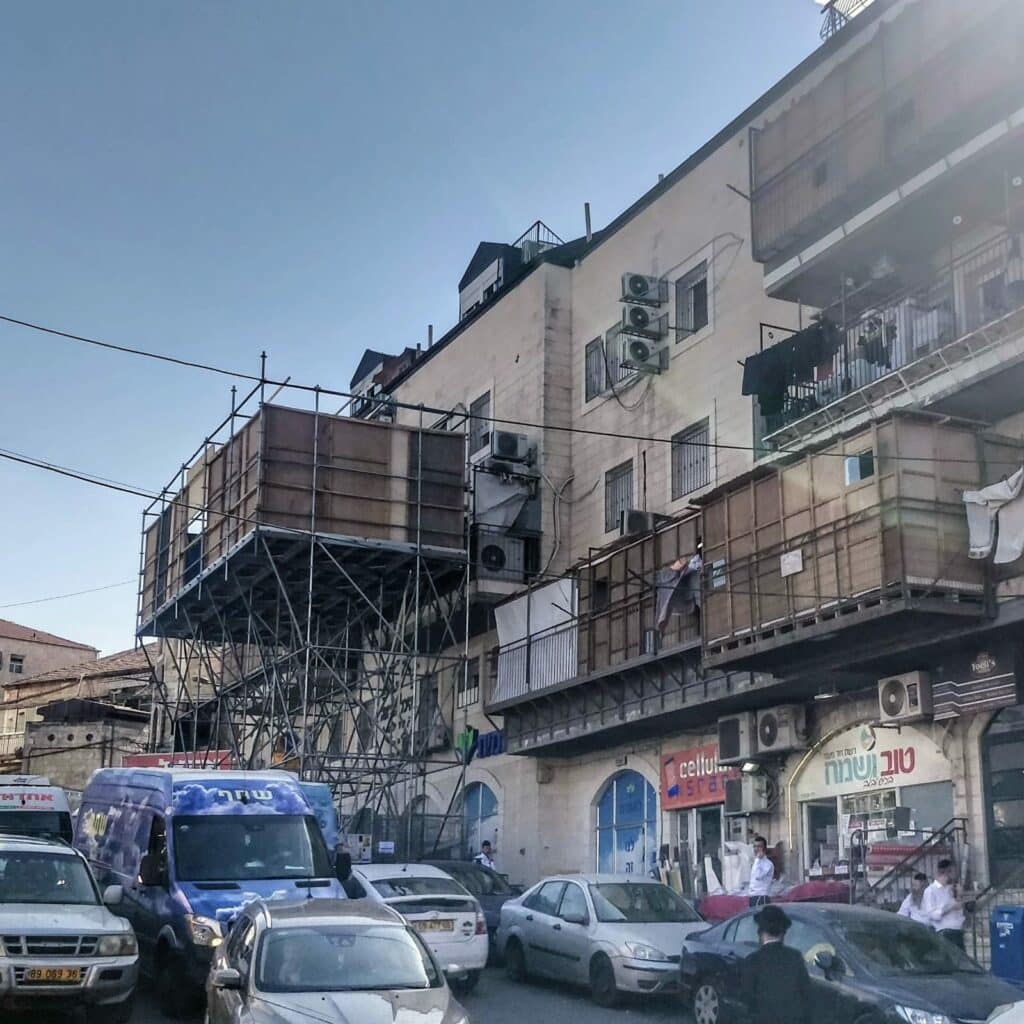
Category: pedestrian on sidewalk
[913,905]
[775,983]
[942,905]
[762,874]
[484,857]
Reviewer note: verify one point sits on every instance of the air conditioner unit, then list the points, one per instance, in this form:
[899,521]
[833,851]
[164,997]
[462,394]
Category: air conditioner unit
[737,738]
[905,698]
[781,729]
[643,321]
[633,521]
[652,291]
[500,557]
[746,795]
[509,447]
[644,355]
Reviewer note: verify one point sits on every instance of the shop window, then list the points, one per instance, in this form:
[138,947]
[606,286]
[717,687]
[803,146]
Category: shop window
[931,804]
[479,815]
[627,825]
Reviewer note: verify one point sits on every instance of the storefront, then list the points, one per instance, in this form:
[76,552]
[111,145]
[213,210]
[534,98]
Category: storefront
[858,780]
[693,795]
[1003,766]
[627,825]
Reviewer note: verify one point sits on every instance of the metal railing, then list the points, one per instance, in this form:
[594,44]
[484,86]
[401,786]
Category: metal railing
[907,325]
[535,664]
[11,743]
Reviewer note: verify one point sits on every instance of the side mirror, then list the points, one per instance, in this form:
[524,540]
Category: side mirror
[113,895]
[571,918]
[828,962]
[150,871]
[226,977]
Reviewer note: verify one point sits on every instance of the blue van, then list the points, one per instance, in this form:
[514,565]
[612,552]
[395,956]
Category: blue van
[191,847]
[321,799]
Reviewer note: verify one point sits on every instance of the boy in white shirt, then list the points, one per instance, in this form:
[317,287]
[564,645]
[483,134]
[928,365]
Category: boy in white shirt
[945,912]
[913,905]
[762,874]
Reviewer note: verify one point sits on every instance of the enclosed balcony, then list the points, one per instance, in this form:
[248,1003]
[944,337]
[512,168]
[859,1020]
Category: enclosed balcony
[836,557]
[925,95]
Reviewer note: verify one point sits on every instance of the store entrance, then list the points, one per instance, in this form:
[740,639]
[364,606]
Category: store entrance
[822,831]
[709,841]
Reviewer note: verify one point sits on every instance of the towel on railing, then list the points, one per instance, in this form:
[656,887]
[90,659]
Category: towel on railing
[997,510]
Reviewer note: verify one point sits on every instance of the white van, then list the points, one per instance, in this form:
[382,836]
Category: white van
[30,806]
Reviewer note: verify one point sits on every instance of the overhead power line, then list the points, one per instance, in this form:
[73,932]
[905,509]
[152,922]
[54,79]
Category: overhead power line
[74,593]
[440,412]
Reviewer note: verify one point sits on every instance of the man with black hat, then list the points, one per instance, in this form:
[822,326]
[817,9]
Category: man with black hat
[776,985]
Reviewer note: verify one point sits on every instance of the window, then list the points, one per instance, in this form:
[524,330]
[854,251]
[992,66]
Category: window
[820,174]
[16,664]
[618,494]
[468,685]
[809,941]
[480,423]
[690,462]
[859,467]
[574,904]
[692,300]
[545,899]
[745,931]
[617,373]
[626,825]
[479,815]
[594,369]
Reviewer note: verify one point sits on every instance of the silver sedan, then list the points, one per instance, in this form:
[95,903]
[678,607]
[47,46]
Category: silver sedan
[615,933]
[344,960]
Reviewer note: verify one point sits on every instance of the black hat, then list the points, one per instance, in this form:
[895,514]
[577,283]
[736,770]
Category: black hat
[772,920]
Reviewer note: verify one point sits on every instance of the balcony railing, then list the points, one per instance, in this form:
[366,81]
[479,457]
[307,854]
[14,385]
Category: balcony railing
[11,743]
[903,327]
[535,664]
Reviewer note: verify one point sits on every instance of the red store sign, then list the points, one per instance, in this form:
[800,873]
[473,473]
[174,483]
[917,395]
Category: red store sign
[198,759]
[690,778]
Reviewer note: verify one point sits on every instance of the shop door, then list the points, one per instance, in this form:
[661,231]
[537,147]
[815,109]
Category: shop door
[709,840]
[1004,784]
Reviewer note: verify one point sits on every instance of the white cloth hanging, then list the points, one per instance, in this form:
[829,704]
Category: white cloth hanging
[998,505]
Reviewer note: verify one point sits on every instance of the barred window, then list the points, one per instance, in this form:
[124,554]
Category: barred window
[480,423]
[468,685]
[618,494]
[617,373]
[594,369]
[690,462]
[692,300]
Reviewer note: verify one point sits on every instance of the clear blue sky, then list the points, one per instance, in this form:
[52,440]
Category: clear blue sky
[216,178]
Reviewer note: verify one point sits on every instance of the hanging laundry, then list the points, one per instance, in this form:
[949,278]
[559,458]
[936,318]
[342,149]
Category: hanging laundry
[793,360]
[678,588]
[995,517]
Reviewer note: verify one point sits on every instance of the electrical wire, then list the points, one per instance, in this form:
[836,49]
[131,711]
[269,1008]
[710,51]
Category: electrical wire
[421,408]
[73,593]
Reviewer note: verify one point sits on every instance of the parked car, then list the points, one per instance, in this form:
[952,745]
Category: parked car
[867,966]
[320,960]
[490,889]
[61,946]
[449,919]
[615,933]
[191,847]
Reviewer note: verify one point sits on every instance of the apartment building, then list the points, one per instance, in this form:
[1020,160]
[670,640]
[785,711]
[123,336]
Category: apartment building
[740,592]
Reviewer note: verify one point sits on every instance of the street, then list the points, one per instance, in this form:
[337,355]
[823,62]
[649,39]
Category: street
[496,1001]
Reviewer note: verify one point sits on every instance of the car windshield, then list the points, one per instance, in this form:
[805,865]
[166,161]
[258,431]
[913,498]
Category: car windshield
[343,958]
[640,903]
[241,847]
[416,885]
[51,824]
[31,877]
[896,946]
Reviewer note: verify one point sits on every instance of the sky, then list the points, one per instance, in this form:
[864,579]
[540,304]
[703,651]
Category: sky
[215,179]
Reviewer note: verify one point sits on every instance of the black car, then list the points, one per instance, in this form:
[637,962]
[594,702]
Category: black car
[490,888]
[866,966]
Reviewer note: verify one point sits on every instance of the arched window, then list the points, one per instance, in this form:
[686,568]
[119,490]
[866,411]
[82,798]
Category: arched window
[627,833]
[479,815]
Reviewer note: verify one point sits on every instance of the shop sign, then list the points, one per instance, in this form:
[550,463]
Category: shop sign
[690,778]
[978,681]
[471,743]
[864,759]
[193,759]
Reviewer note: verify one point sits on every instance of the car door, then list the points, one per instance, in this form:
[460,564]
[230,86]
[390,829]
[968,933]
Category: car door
[148,905]
[569,940]
[538,927]
[739,940]
[830,991]
[231,1004]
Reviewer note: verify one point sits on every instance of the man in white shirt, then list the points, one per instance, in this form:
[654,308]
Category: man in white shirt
[483,858]
[762,873]
[913,905]
[945,912]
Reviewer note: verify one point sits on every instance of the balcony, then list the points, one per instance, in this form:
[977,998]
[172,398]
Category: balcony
[835,558]
[897,114]
[11,743]
[895,342]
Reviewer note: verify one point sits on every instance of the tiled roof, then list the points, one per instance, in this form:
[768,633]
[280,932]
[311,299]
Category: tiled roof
[124,663]
[13,631]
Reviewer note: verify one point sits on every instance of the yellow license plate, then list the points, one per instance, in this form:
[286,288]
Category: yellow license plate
[54,974]
[446,924]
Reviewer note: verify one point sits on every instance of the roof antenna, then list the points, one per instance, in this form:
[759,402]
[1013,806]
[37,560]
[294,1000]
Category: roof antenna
[586,218]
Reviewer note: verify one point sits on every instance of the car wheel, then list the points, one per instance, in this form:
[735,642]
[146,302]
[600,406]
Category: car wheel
[463,986]
[173,991]
[603,989]
[515,961]
[707,1004]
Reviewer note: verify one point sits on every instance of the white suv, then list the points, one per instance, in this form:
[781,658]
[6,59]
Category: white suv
[59,944]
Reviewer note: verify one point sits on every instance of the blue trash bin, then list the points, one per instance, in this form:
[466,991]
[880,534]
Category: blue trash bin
[1007,931]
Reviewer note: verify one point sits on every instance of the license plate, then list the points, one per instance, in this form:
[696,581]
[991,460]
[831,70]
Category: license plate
[445,924]
[54,974]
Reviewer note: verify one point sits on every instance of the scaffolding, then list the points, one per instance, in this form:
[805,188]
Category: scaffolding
[307,575]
